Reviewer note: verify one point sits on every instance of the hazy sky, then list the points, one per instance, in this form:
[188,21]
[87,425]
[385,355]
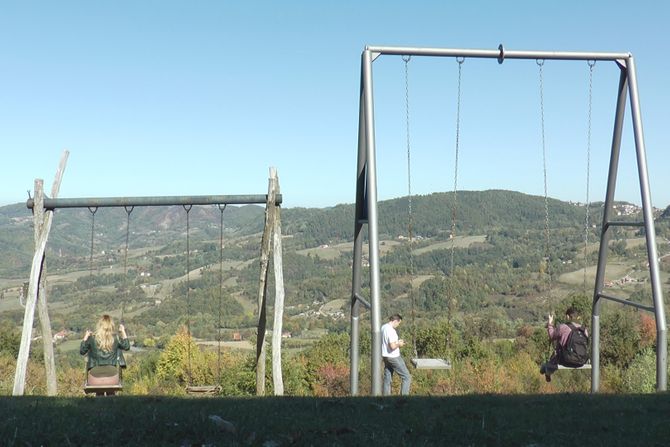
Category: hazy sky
[202,97]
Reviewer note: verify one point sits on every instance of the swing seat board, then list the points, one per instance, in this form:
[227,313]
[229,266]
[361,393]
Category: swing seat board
[203,389]
[88,389]
[586,366]
[431,364]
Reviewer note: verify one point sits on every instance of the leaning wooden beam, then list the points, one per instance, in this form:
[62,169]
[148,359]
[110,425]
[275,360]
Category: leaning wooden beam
[275,212]
[42,306]
[262,294]
[33,287]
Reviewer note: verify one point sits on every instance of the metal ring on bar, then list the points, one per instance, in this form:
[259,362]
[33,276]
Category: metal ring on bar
[460,59]
[501,57]
[406,58]
[539,62]
[591,62]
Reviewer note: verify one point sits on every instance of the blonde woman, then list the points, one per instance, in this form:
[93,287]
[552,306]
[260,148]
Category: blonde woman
[104,352]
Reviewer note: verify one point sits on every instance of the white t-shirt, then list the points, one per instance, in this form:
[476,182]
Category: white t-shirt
[389,335]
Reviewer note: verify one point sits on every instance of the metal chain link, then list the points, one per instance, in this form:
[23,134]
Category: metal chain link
[125,255]
[187,208]
[406,59]
[458,139]
[218,365]
[93,210]
[454,206]
[410,238]
[547,260]
[588,171]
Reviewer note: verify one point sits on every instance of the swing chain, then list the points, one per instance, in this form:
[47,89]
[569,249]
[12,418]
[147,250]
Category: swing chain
[93,210]
[547,260]
[129,209]
[460,61]
[591,64]
[406,59]
[221,209]
[452,301]
[187,208]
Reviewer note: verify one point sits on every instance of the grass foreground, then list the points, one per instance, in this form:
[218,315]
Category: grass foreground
[473,420]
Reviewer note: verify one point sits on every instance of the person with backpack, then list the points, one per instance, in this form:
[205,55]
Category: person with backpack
[571,342]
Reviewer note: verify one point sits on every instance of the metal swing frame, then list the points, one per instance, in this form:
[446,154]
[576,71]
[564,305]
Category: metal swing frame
[366,204]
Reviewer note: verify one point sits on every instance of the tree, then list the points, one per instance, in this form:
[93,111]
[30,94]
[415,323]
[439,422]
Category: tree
[10,340]
[183,360]
[620,338]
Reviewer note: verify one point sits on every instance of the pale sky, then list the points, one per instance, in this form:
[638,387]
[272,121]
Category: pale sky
[188,98]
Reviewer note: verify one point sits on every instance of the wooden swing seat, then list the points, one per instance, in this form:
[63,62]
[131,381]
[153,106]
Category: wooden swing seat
[103,386]
[203,389]
[431,363]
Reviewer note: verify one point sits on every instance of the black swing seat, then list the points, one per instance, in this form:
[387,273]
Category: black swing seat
[203,389]
[103,386]
[431,363]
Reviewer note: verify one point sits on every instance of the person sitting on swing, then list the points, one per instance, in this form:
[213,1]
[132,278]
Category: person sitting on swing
[104,349]
[560,336]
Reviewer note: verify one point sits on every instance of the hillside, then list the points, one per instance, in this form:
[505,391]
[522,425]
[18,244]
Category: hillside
[498,250]
[477,213]
[485,312]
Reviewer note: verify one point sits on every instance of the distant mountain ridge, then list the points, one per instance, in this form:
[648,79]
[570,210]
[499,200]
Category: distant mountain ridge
[476,213]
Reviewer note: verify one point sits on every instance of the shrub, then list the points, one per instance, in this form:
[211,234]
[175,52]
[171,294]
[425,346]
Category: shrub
[640,376]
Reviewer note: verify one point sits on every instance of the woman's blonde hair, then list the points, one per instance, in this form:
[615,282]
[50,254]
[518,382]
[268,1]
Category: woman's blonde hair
[104,333]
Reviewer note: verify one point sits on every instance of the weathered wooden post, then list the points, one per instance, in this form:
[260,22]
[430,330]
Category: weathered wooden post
[271,237]
[277,327]
[36,287]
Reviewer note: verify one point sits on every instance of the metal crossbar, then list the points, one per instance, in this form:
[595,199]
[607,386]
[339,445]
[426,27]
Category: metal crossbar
[101,202]
[501,54]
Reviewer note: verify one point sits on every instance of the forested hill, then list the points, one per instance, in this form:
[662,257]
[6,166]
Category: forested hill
[477,212]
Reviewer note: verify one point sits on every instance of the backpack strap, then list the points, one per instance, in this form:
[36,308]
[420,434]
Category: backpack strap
[579,328]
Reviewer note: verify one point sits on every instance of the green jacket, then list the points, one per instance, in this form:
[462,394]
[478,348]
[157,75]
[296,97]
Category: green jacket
[99,357]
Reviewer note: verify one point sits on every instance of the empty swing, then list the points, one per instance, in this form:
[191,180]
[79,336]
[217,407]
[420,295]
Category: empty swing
[418,362]
[203,389]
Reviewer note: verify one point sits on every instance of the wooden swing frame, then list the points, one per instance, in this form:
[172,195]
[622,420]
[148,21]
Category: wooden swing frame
[43,209]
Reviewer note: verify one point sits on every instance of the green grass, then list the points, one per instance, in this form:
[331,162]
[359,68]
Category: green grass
[476,420]
[457,242]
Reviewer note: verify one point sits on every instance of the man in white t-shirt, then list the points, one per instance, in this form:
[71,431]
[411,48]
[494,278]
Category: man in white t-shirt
[393,362]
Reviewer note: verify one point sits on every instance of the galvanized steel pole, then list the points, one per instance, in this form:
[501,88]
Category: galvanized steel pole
[501,53]
[647,210]
[358,243]
[606,229]
[102,202]
[373,231]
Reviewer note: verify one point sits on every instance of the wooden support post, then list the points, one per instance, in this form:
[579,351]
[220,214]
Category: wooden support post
[275,213]
[262,292]
[42,302]
[36,286]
